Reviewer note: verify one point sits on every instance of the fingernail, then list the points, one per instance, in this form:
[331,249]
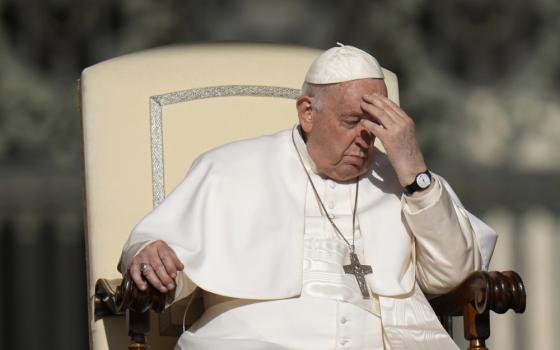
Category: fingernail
[170,286]
[163,289]
[173,275]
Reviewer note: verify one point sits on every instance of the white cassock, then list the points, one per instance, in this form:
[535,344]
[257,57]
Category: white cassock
[249,230]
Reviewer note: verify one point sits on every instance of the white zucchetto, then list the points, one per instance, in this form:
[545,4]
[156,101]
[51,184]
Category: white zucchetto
[343,63]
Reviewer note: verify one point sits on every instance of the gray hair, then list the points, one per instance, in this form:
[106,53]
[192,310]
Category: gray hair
[318,92]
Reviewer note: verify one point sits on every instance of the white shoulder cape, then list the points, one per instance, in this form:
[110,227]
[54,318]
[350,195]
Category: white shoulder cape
[236,221]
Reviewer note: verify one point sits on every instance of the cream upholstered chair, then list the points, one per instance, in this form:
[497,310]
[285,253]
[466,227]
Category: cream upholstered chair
[145,117]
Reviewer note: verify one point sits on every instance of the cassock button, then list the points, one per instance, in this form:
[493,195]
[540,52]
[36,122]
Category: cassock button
[343,320]
[331,216]
[332,184]
[344,341]
[331,204]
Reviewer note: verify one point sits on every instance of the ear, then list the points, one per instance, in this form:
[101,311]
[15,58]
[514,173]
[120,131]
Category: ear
[305,115]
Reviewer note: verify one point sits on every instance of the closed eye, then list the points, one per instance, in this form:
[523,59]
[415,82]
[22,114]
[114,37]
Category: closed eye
[351,121]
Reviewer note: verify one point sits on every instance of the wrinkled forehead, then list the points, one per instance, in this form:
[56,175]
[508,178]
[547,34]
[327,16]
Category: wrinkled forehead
[355,89]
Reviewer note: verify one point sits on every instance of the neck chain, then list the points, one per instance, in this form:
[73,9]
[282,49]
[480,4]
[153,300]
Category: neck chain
[354,268]
[336,229]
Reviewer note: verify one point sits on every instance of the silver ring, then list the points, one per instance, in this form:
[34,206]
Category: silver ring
[144,267]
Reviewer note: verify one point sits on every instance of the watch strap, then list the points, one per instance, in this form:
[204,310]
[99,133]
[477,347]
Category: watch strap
[414,187]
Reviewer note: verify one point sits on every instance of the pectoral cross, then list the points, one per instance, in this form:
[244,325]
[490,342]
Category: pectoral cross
[359,271]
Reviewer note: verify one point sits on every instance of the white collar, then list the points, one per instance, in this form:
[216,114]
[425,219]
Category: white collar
[301,147]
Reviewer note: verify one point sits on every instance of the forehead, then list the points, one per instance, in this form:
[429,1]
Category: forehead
[358,88]
[348,95]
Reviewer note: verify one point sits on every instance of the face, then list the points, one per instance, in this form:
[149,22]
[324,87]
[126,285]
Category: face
[337,143]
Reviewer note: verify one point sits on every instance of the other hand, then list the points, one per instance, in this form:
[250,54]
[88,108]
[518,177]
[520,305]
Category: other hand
[395,129]
[162,268]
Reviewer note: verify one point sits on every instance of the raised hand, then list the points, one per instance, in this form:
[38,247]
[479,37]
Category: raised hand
[396,131]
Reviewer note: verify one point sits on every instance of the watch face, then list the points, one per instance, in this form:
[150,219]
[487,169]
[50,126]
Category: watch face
[423,180]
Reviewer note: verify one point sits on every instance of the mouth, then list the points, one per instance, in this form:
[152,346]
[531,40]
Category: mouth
[355,159]
[360,155]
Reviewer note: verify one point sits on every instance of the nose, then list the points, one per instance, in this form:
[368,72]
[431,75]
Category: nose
[363,138]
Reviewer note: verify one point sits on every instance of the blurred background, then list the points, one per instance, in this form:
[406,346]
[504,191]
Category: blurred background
[481,79]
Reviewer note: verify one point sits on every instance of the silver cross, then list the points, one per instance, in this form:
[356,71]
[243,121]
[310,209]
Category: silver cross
[359,271]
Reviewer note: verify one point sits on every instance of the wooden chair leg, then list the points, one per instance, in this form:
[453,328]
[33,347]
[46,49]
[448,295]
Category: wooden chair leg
[477,327]
[138,329]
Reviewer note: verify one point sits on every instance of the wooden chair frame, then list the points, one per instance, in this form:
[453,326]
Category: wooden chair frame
[116,97]
[473,299]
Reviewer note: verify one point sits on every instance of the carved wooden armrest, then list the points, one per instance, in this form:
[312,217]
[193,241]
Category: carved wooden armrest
[476,296]
[120,296]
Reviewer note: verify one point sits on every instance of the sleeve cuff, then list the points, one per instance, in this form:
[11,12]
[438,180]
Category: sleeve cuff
[130,253]
[413,205]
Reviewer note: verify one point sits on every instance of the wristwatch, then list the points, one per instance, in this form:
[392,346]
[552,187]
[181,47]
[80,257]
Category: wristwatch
[423,180]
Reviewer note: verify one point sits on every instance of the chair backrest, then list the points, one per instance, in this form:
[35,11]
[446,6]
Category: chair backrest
[147,115]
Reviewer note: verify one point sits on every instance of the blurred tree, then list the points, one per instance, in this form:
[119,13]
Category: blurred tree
[481,78]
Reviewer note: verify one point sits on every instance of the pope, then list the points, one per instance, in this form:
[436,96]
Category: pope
[313,237]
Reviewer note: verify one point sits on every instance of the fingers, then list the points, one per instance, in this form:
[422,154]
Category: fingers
[396,130]
[153,279]
[161,275]
[376,129]
[388,103]
[170,261]
[140,277]
[387,107]
[381,120]
[162,267]
[137,277]
[168,264]
[379,113]
[178,264]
